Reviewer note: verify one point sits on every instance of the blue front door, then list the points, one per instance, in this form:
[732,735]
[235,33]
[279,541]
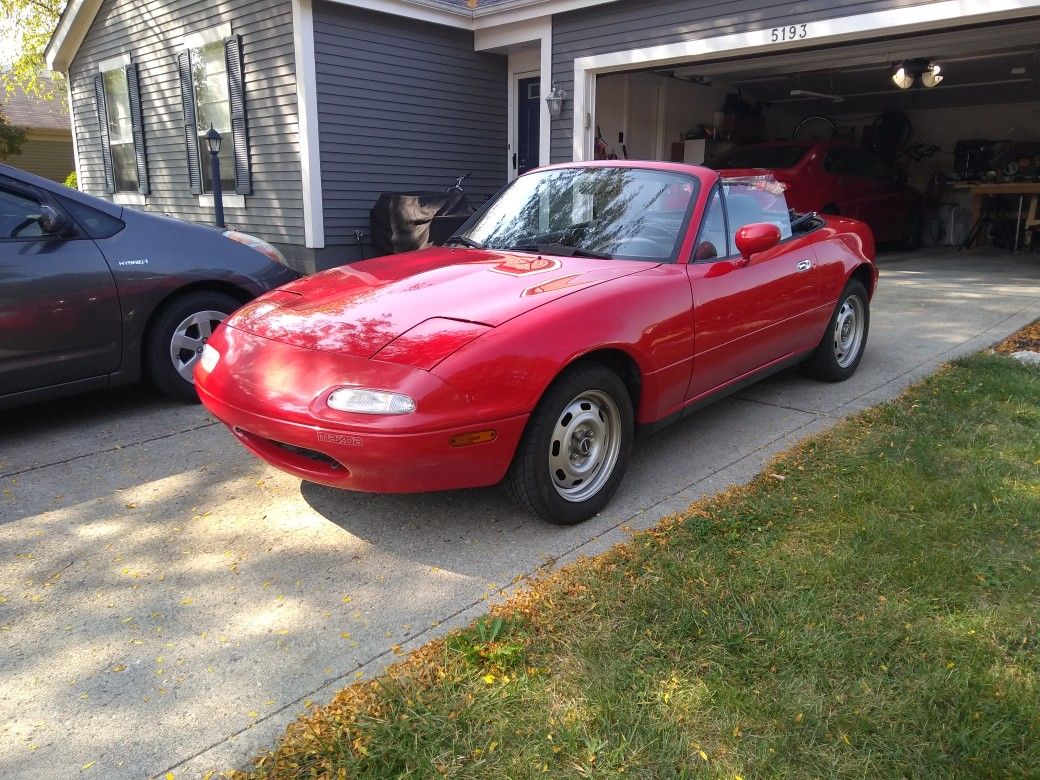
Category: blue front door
[527,124]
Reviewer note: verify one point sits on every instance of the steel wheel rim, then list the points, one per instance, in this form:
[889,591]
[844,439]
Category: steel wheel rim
[584,446]
[848,331]
[188,340]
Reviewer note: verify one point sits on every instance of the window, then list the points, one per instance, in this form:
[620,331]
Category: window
[756,199]
[212,108]
[624,213]
[121,126]
[713,242]
[120,131]
[19,216]
[213,95]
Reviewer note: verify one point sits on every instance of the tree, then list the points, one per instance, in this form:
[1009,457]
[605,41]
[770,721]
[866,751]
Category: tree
[28,26]
[11,138]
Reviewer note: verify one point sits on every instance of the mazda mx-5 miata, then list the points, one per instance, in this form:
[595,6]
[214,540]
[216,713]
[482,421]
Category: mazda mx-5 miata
[584,303]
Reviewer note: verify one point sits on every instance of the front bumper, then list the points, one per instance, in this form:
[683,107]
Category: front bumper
[276,417]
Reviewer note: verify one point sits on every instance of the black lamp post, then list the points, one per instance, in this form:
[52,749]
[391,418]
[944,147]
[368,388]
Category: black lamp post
[213,142]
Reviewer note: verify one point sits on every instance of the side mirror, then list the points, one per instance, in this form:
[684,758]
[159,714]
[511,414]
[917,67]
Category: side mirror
[52,222]
[755,238]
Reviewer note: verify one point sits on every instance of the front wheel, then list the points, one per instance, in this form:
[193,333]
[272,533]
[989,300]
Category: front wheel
[837,356]
[576,447]
[175,340]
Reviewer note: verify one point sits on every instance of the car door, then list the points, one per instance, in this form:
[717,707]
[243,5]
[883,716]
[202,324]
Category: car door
[59,311]
[746,316]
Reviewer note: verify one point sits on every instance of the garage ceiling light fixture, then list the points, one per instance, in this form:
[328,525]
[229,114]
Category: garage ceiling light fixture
[916,71]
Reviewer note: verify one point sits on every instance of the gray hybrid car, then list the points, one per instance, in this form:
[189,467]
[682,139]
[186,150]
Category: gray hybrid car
[94,295]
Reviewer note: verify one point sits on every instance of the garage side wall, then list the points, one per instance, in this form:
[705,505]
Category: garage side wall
[635,24]
[151,33]
[403,106]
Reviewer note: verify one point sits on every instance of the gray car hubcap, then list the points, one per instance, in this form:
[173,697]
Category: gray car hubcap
[584,446]
[188,340]
[848,331]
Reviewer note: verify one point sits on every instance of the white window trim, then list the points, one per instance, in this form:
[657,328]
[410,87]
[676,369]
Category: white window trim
[929,17]
[114,63]
[232,201]
[307,108]
[210,35]
[129,198]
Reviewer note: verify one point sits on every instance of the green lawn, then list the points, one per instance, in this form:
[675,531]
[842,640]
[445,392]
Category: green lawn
[868,607]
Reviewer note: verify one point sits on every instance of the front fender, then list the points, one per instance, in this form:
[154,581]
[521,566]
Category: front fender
[647,316]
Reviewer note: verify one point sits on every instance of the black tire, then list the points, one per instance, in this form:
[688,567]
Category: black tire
[912,230]
[835,358]
[587,403]
[159,360]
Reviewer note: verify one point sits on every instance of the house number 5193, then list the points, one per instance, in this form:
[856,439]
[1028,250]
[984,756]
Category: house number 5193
[789,33]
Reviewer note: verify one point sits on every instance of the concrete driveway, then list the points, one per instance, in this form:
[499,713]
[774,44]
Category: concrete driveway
[168,603]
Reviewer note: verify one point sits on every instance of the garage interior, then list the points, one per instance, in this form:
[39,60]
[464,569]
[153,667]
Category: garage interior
[952,142]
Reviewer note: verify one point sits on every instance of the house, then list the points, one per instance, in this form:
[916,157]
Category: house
[47,150]
[324,104]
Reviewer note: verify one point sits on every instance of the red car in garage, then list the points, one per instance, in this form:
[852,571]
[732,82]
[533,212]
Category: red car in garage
[836,177]
[583,303]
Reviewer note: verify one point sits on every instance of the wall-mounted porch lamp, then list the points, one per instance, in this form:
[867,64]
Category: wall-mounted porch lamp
[555,101]
[921,71]
[213,139]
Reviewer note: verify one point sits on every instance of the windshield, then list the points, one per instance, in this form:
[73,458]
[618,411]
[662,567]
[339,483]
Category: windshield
[760,157]
[624,213]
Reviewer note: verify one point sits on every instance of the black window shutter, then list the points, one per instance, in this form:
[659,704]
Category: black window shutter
[191,138]
[106,147]
[239,130]
[137,120]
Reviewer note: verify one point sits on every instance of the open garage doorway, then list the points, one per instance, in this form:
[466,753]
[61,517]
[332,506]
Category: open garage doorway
[950,156]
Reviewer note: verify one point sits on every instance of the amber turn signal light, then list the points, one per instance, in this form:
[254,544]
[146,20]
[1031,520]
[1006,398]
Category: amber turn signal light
[466,439]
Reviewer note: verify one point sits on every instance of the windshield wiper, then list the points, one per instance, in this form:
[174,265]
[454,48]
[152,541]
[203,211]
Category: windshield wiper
[566,250]
[464,241]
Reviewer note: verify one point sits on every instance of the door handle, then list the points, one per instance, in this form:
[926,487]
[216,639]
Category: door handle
[804,265]
[514,161]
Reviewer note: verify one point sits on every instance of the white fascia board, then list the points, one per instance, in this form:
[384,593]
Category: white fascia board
[69,34]
[492,16]
[460,18]
[307,116]
[504,36]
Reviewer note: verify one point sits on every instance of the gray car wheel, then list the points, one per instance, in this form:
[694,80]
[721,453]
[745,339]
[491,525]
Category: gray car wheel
[176,337]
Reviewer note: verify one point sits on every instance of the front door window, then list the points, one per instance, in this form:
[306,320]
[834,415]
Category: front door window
[527,106]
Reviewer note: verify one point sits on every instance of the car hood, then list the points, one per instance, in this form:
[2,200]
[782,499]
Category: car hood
[358,309]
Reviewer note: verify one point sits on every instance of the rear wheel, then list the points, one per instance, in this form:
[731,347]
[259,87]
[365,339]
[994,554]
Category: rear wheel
[576,447]
[174,342]
[837,356]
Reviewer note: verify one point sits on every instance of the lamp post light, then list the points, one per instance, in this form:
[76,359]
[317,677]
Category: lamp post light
[213,139]
[554,100]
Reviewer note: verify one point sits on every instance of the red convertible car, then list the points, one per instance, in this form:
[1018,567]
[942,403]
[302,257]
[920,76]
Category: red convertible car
[836,177]
[583,303]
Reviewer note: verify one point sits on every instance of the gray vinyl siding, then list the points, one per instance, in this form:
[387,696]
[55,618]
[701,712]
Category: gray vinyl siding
[48,157]
[151,32]
[402,106]
[634,24]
